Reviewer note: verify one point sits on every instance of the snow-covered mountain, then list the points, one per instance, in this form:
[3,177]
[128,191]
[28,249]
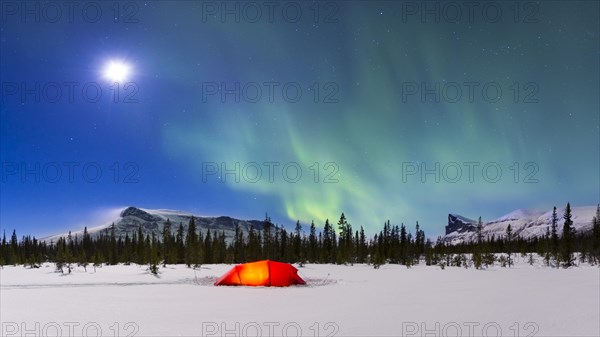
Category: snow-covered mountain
[524,223]
[153,220]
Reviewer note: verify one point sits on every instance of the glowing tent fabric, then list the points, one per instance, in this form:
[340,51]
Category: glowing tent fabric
[264,273]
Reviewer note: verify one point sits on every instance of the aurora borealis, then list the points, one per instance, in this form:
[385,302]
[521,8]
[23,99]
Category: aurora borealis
[374,93]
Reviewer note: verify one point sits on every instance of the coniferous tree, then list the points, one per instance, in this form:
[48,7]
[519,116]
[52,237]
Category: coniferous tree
[530,259]
[362,246]
[429,255]
[393,244]
[403,246]
[509,239]
[167,244]
[547,248]
[113,254]
[345,237]
[298,254]
[208,248]
[377,256]
[253,245]
[419,242]
[140,250]
[327,243]
[596,236]
[3,250]
[334,245]
[282,240]
[312,243]
[69,248]
[179,242]
[86,248]
[554,238]
[153,258]
[477,256]
[566,241]
[267,239]
[219,247]
[127,250]
[238,244]
[14,246]
[192,245]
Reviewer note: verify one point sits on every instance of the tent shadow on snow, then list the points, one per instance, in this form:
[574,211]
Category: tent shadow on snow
[264,273]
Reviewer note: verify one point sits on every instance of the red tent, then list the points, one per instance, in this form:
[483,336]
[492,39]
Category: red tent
[264,273]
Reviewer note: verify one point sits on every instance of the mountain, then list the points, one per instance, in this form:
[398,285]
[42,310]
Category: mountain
[460,224]
[525,223]
[152,221]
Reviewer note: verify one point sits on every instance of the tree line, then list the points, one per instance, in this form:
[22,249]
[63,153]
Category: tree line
[337,243]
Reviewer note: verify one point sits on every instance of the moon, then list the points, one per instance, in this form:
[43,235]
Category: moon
[117,71]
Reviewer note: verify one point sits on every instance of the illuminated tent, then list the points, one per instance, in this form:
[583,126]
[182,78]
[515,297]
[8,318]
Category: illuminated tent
[264,273]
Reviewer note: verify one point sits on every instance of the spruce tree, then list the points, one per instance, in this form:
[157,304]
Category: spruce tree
[547,248]
[140,250]
[86,247]
[113,255]
[127,251]
[567,238]
[344,239]
[327,243]
[180,244]
[208,248]
[3,250]
[253,249]
[191,243]
[403,246]
[153,259]
[298,255]
[14,249]
[334,247]
[477,258]
[419,242]
[69,248]
[267,237]
[59,260]
[554,237]
[281,242]
[238,244]
[167,244]
[362,246]
[312,243]
[596,236]
[509,238]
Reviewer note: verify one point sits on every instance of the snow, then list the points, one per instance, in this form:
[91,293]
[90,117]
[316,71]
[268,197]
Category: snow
[518,214]
[339,300]
[163,212]
[114,216]
[464,219]
[109,217]
[528,224]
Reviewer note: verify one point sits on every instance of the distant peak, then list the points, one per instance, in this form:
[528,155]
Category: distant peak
[132,211]
[455,217]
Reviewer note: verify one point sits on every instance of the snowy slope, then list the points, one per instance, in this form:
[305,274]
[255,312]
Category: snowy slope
[525,223]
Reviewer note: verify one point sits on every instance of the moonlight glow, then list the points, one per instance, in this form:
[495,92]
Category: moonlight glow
[372,108]
[117,71]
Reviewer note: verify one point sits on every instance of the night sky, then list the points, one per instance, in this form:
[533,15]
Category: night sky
[361,97]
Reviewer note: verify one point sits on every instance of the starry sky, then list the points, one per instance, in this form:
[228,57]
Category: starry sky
[379,109]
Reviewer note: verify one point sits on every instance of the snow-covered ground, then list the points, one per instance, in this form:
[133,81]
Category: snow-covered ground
[338,301]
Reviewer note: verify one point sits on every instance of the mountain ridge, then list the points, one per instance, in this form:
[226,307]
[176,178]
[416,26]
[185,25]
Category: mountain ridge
[526,223]
[153,221]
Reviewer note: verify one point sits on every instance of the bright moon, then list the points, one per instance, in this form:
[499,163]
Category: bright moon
[117,71]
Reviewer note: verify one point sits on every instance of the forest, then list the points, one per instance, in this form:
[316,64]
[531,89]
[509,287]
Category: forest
[338,243]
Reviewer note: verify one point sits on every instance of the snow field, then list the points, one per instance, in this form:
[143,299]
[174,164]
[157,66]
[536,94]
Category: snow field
[338,301]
